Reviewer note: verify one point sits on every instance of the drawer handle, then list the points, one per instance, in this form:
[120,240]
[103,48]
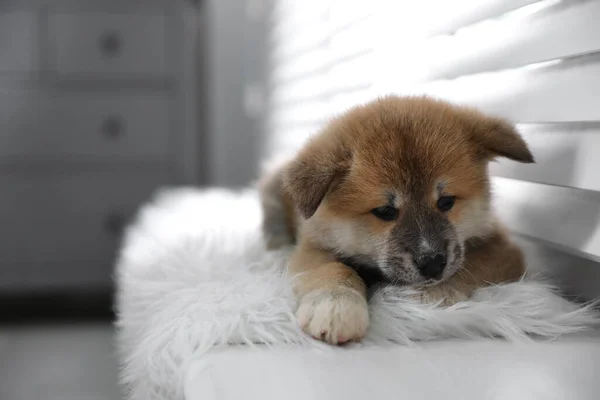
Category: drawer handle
[111,44]
[114,224]
[113,127]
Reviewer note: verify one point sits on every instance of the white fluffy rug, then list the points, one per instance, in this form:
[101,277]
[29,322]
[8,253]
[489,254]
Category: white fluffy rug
[193,274]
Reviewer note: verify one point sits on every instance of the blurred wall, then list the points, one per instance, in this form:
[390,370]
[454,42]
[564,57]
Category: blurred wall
[234,68]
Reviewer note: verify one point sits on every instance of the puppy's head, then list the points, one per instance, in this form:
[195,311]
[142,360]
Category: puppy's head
[400,184]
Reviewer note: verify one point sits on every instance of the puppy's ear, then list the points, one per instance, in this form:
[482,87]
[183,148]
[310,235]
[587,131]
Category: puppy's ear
[498,138]
[319,166]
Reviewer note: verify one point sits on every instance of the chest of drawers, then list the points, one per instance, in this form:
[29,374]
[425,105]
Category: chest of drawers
[95,115]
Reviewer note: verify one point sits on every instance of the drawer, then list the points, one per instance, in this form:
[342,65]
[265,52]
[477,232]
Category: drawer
[18,47]
[107,45]
[83,125]
[19,116]
[73,217]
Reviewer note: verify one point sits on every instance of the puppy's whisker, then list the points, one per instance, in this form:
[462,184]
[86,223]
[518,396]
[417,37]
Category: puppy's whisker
[461,273]
[464,270]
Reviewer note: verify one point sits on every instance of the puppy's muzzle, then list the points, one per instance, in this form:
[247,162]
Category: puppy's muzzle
[431,266]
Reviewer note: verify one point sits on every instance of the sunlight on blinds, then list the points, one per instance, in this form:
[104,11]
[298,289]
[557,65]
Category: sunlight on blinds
[329,55]
[535,63]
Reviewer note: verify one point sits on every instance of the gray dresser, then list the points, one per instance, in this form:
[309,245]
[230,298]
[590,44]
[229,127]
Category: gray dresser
[97,110]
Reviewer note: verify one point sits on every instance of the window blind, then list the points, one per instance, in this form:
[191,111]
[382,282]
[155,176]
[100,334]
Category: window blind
[536,63]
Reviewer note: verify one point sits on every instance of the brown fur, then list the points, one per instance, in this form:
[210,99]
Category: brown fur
[405,151]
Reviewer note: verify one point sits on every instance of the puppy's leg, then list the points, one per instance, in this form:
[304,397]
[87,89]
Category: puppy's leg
[491,261]
[278,223]
[332,297]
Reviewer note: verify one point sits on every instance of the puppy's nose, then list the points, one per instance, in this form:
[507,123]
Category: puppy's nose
[431,266]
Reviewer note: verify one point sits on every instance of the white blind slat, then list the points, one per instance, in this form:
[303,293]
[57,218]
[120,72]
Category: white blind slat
[297,45]
[343,13]
[292,19]
[457,14]
[302,90]
[562,92]
[305,65]
[306,113]
[353,40]
[566,155]
[562,216]
[563,31]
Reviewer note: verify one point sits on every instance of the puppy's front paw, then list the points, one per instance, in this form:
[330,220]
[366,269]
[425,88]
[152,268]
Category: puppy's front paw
[443,294]
[335,317]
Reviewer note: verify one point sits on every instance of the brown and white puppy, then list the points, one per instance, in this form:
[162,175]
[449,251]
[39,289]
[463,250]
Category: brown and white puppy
[397,191]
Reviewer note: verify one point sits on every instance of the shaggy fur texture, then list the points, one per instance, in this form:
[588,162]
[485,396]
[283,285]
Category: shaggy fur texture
[193,274]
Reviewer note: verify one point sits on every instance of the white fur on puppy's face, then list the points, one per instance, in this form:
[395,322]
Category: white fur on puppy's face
[344,236]
[476,220]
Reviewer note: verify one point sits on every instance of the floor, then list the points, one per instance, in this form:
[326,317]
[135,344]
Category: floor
[57,354]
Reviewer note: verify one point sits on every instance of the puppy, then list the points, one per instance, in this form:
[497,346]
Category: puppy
[394,191]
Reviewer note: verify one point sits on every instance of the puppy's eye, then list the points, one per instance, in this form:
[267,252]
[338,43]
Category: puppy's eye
[445,203]
[386,213]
